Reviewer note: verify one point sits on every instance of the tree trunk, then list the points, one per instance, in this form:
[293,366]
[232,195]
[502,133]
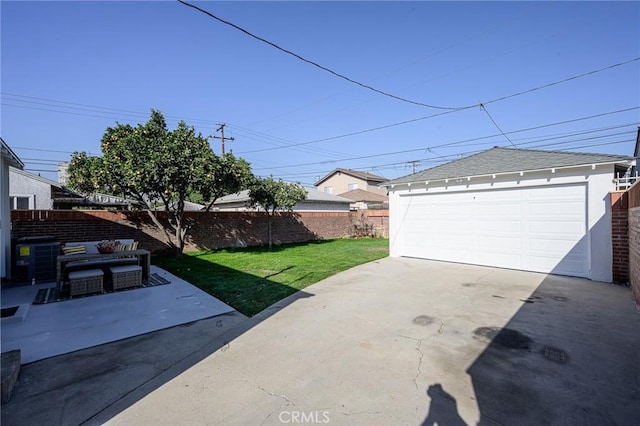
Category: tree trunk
[161,227]
[269,231]
[179,237]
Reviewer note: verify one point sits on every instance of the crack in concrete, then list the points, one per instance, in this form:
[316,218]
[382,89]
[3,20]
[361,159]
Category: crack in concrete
[276,395]
[155,376]
[415,379]
[358,413]
[439,332]
[288,402]
[419,349]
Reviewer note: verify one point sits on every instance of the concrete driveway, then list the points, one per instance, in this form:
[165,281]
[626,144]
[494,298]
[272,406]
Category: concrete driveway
[397,341]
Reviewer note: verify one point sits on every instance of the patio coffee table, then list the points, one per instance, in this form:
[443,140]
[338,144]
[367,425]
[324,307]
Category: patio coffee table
[98,260]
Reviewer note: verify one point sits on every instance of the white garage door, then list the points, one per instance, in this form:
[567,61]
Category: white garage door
[540,229]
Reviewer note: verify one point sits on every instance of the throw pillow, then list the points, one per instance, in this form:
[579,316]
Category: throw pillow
[74,250]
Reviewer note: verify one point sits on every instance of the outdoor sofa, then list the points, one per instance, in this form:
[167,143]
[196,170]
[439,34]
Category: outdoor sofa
[86,276]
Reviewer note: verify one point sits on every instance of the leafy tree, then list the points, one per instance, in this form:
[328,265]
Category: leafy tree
[161,169]
[83,172]
[273,195]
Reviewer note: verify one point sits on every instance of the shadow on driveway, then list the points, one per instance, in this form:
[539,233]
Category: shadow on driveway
[569,356]
[92,385]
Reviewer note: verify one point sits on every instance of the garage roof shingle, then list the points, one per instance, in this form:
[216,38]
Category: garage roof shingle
[506,160]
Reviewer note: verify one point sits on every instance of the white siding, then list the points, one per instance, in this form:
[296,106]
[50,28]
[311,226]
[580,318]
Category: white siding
[39,192]
[541,221]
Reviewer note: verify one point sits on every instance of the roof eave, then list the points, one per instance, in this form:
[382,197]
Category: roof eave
[392,183]
[10,156]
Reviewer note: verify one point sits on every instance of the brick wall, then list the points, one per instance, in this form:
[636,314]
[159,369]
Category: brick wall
[634,240]
[620,236]
[212,229]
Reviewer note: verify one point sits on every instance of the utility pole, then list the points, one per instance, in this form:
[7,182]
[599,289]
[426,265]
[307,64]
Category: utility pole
[221,137]
[413,163]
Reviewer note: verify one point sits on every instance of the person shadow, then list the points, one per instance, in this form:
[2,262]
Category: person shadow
[443,410]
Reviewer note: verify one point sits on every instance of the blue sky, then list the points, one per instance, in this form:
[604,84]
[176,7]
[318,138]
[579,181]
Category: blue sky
[72,69]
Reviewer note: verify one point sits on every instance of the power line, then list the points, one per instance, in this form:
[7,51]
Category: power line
[314,150]
[41,150]
[482,107]
[443,158]
[41,170]
[465,142]
[41,159]
[118,110]
[450,157]
[575,77]
[374,129]
[81,107]
[449,144]
[315,64]
[64,112]
[278,141]
[360,131]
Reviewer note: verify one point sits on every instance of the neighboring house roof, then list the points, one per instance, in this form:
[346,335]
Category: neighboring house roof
[190,207]
[111,200]
[63,197]
[10,157]
[365,196]
[313,196]
[361,175]
[38,178]
[508,160]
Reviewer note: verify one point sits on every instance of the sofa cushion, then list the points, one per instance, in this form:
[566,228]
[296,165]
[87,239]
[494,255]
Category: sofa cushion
[84,264]
[79,249]
[91,247]
[75,275]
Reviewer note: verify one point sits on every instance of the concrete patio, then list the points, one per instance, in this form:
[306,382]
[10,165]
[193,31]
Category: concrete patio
[43,331]
[396,341]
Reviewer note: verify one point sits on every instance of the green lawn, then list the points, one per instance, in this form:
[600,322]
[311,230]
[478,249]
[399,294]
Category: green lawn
[251,279]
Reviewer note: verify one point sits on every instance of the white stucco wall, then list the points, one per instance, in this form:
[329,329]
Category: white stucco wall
[24,186]
[5,219]
[598,182]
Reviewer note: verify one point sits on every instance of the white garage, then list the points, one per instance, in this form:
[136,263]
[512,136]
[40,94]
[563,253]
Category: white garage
[539,211]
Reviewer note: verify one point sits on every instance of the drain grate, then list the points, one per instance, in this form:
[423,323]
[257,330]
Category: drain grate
[423,320]
[504,337]
[555,354]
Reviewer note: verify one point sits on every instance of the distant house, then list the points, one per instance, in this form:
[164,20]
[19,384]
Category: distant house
[188,206]
[363,200]
[28,191]
[9,160]
[316,201]
[105,201]
[341,180]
